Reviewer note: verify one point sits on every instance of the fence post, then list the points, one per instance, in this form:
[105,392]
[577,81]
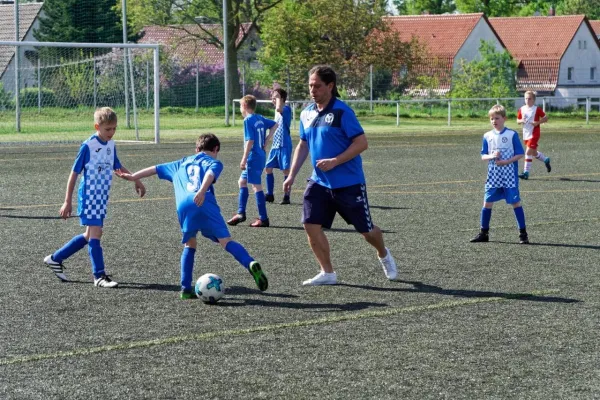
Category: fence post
[398,113]
[544,104]
[40,86]
[587,110]
[147,85]
[371,84]
[132,86]
[449,113]
[197,84]
[232,112]
[95,86]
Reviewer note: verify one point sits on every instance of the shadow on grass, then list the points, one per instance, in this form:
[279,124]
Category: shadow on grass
[575,246]
[34,217]
[342,230]
[578,180]
[389,208]
[421,287]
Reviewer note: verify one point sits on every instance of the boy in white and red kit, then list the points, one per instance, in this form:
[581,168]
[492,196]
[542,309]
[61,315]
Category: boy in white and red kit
[531,117]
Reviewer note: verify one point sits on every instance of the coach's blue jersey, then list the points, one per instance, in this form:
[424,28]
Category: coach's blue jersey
[255,126]
[282,136]
[328,134]
[96,161]
[508,143]
[187,175]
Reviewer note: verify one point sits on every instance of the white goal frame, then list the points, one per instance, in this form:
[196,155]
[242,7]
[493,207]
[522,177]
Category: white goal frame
[154,47]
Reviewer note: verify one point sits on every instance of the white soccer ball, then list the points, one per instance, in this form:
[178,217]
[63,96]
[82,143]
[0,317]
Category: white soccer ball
[209,288]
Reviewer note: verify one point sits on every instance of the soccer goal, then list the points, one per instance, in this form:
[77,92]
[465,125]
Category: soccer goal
[52,89]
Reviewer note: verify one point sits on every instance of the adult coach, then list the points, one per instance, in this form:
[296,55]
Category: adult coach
[330,132]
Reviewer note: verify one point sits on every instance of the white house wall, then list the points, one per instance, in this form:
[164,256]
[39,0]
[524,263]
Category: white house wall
[470,49]
[28,75]
[581,60]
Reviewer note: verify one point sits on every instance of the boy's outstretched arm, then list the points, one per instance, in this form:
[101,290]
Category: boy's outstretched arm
[67,207]
[139,186]
[143,173]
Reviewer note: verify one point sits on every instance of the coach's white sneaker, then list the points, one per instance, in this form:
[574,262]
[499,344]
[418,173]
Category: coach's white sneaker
[105,281]
[389,265]
[322,278]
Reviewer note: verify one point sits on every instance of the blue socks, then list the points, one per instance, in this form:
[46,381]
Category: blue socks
[72,247]
[520,216]
[187,267]
[261,203]
[270,183]
[239,253]
[486,216]
[95,251]
[243,200]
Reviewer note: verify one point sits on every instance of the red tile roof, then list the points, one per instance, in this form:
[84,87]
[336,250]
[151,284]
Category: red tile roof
[443,34]
[596,26]
[28,12]
[184,43]
[537,44]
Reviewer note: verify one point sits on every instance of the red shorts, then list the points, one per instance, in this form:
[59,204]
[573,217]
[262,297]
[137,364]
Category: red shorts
[533,142]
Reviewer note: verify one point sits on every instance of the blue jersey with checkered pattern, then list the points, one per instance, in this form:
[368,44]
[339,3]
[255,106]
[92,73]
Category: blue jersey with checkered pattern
[96,161]
[187,175]
[508,144]
[282,136]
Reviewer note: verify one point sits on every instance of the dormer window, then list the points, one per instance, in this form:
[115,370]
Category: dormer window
[570,73]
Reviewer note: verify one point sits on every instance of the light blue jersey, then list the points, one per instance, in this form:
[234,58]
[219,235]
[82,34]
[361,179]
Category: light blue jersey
[282,137]
[508,143]
[328,134]
[96,161]
[187,175]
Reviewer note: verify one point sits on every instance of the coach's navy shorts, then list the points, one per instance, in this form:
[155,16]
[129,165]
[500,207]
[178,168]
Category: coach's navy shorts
[321,204]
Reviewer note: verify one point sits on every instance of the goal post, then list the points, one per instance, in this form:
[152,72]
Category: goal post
[62,78]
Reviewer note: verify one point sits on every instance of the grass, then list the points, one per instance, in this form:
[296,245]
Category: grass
[490,320]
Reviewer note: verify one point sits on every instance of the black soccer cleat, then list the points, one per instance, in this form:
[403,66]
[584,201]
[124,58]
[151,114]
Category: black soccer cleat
[269,198]
[523,238]
[481,237]
[236,219]
[286,200]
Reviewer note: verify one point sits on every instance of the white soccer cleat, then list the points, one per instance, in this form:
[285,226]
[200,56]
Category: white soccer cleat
[105,281]
[389,265]
[322,278]
[56,267]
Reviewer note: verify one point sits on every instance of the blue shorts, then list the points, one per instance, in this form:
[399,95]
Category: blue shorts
[321,205]
[208,221]
[83,221]
[253,172]
[510,195]
[280,158]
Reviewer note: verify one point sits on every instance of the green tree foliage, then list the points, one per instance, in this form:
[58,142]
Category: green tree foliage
[82,21]
[591,8]
[494,75]
[411,7]
[141,13]
[491,8]
[300,34]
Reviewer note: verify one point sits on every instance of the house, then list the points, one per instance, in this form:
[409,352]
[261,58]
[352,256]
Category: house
[29,14]
[596,27]
[556,56]
[448,39]
[185,44]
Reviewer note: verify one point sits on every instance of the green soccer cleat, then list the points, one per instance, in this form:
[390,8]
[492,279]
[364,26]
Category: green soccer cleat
[524,175]
[187,295]
[259,276]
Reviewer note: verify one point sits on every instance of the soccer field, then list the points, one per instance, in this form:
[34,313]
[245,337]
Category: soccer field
[464,320]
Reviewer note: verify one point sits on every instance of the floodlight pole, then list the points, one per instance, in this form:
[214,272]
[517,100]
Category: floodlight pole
[125,72]
[17,71]
[226,59]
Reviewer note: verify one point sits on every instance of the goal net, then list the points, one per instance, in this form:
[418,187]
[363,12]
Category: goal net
[51,90]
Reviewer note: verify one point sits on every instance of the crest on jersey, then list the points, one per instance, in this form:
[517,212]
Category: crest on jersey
[108,151]
[329,118]
[504,139]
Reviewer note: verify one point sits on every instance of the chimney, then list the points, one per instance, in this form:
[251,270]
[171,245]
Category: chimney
[551,10]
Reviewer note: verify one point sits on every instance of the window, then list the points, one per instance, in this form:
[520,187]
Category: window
[570,73]
[593,74]
[582,44]
[585,44]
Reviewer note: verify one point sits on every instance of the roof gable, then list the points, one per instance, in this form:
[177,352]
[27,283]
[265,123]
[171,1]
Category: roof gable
[595,24]
[27,14]
[443,35]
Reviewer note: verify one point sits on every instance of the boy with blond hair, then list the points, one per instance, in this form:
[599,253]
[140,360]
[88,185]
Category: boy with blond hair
[253,161]
[502,150]
[531,117]
[96,161]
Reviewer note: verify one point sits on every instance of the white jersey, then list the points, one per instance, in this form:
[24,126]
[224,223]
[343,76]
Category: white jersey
[508,144]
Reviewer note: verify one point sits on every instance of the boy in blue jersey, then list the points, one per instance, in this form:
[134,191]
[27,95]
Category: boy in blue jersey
[96,161]
[331,133]
[280,155]
[253,161]
[502,150]
[197,209]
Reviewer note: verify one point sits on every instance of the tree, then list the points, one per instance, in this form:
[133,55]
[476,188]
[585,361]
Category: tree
[83,21]
[494,75]
[410,7]
[299,34]
[591,8]
[491,8]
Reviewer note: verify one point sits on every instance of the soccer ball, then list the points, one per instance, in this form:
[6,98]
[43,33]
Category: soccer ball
[209,288]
